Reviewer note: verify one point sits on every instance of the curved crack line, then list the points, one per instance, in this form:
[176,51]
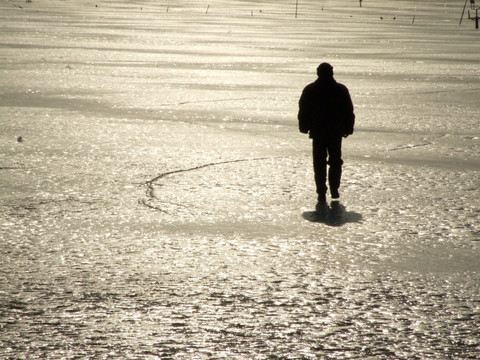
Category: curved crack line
[206,101]
[427,141]
[409,146]
[149,183]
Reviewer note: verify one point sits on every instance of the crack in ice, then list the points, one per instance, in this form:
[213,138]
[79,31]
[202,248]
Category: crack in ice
[409,146]
[150,187]
[207,101]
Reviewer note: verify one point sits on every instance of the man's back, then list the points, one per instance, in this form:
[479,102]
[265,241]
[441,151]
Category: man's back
[326,109]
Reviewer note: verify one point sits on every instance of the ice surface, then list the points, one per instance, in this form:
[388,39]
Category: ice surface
[162,204]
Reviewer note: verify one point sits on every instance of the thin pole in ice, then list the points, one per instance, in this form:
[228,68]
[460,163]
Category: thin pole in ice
[463,12]
[296,9]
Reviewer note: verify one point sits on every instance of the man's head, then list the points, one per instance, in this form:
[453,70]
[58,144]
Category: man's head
[325,70]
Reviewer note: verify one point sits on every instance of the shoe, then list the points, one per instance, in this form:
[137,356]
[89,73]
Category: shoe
[334,193]
[322,198]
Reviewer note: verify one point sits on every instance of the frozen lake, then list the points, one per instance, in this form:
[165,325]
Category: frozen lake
[160,203]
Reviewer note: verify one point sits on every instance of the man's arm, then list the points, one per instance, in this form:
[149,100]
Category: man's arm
[349,115]
[303,114]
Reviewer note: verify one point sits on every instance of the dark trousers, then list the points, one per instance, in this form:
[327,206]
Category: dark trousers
[331,147]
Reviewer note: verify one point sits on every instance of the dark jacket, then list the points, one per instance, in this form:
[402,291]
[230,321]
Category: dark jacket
[326,109]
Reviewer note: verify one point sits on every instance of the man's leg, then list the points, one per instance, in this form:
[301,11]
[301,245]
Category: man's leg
[320,166]
[335,163]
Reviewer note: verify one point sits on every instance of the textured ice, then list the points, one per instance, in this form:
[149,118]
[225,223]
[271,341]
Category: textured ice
[161,203]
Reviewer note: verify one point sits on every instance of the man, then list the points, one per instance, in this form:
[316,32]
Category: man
[326,113]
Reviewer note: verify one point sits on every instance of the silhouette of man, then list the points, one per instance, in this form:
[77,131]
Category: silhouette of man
[326,113]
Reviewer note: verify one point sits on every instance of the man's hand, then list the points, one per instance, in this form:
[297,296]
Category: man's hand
[348,133]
